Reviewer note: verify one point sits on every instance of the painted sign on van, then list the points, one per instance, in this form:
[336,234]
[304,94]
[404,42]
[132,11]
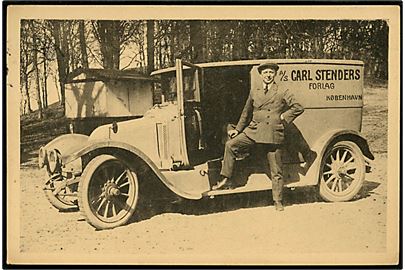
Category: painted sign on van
[320,85]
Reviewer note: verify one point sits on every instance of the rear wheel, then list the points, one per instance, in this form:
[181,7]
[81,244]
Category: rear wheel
[342,172]
[108,192]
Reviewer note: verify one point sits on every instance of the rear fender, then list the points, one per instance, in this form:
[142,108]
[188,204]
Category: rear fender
[330,138]
[129,154]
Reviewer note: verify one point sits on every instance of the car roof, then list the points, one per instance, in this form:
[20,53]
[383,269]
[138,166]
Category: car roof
[258,62]
[94,74]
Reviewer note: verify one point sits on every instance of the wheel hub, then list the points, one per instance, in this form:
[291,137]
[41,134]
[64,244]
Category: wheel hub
[110,189]
[338,168]
[341,171]
[338,177]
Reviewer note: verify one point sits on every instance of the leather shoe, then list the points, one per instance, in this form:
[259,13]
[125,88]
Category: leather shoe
[222,184]
[279,206]
[228,185]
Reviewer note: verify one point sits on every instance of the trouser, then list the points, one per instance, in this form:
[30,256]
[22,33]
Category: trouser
[241,145]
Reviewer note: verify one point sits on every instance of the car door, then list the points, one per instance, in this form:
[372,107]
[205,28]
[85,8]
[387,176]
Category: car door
[189,87]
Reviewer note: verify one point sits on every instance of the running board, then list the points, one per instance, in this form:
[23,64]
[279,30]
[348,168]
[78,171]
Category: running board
[257,182]
[243,189]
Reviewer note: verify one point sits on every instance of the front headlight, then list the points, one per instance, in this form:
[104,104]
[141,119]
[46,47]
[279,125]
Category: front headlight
[71,128]
[54,160]
[42,157]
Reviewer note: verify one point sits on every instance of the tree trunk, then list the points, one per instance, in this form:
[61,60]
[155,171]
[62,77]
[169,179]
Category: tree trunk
[55,79]
[27,96]
[240,42]
[150,31]
[82,39]
[45,87]
[196,42]
[25,35]
[172,41]
[109,43]
[62,57]
[26,87]
[65,63]
[116,49]
[22,100]
[36,70]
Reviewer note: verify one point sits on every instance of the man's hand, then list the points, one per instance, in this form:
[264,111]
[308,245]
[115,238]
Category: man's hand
[232,133]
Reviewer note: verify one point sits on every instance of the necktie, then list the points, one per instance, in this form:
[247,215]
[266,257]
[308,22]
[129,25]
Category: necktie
[266,89]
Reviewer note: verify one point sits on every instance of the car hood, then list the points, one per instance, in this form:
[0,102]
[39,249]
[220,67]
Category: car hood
[140,133]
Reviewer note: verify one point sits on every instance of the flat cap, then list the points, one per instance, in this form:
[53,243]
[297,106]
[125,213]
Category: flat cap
[272,66]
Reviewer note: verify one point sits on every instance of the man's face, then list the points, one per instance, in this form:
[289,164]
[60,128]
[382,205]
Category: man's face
[268,75]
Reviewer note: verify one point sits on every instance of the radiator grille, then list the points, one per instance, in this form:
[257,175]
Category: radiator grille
[163,147]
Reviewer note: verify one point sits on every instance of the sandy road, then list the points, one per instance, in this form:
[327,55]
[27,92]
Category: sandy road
[239,225]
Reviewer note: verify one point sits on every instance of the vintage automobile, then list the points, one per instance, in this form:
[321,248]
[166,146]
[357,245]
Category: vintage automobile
[177,146]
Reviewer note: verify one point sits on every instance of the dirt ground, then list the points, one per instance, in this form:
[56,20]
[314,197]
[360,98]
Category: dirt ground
[241,224]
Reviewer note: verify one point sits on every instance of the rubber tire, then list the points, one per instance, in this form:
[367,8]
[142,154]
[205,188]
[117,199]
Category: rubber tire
[84,186]
[55,202]
[325,192]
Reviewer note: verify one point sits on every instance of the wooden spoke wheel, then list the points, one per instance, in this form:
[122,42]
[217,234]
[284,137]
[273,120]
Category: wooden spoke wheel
[108,192]
[61,196]
[342,172]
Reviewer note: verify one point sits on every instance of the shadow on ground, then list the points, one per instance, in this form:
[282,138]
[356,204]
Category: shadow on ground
[367,190]
[226,203]
[28,160]
[232,202]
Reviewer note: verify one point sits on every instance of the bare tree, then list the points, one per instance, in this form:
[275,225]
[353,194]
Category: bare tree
[150,31]
[83,50]
[36,71]
[113,37]
[196,41]
[60,31]
[46,55]
[25,62]
[241,41]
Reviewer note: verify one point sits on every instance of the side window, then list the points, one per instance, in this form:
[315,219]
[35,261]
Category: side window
[157,93]
[165,89]
[191,85]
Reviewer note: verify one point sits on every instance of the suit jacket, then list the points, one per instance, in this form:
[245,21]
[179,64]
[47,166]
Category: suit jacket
[261,117]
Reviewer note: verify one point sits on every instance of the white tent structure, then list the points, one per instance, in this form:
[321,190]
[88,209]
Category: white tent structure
[107,93]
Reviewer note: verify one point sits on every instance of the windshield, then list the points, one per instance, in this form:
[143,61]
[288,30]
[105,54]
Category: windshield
[166,88]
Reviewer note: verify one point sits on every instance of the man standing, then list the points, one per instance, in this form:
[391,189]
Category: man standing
[268,110]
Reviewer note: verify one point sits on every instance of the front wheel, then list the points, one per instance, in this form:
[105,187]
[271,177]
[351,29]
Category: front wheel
[61,195]
[342,172]
[108,192]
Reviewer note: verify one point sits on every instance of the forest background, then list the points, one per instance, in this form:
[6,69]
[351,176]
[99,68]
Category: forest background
[51,49]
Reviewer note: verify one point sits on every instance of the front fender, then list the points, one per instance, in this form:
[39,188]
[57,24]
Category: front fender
[67,144]
[110,146]
[329,138]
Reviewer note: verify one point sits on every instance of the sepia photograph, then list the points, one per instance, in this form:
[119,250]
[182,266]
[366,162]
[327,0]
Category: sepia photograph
[202,135]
